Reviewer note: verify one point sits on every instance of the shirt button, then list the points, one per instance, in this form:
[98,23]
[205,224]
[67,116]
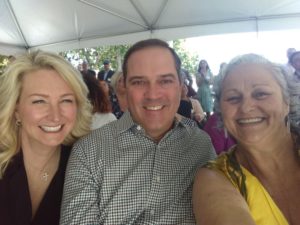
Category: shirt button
[152,212]
[158,179]
[138,127]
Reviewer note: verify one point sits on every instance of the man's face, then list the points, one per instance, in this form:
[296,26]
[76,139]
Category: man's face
[106,66]
[153,90]
[296,62]
[84,66]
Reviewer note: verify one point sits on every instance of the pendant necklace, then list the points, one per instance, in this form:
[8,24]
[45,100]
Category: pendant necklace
[44,173]
[45,176]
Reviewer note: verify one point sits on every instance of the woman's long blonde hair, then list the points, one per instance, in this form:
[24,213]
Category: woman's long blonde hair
[10,90]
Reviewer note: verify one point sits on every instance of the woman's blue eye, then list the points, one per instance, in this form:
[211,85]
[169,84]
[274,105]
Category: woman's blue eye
[234,98]
[261,94]
[68,100]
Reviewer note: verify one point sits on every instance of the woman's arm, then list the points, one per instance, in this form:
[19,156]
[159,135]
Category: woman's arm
[199,79]
[197,110]
[209,77]
[217,202]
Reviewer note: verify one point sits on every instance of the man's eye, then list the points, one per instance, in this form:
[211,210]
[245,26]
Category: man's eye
[167,81]
[138,82]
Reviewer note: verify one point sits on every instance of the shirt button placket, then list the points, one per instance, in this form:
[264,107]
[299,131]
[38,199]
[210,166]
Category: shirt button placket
[158,179]
[152,212]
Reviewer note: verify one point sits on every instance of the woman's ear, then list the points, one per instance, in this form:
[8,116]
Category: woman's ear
[17,115]
[287,110]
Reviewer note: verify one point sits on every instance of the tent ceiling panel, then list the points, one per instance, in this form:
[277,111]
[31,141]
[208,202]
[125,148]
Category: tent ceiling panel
[9,33]
[66,24]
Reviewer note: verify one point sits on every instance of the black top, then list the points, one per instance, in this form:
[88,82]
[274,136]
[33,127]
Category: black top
[15,203]
[185,108]
[108,76]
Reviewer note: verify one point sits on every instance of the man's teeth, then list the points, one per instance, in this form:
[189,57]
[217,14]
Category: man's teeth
[51,129]
[252,120]
[154,107]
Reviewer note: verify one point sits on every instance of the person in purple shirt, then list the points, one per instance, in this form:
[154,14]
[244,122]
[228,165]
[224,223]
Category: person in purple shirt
[221,140]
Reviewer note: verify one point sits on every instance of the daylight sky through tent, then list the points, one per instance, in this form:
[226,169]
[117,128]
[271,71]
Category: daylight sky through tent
[221,48]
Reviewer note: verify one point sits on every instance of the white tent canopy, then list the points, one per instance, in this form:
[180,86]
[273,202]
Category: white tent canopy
[59,25]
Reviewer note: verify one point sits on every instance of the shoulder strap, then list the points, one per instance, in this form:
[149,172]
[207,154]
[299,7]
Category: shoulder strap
[227,164]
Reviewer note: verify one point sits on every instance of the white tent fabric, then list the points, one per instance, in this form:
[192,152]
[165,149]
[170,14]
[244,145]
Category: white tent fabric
[59,25]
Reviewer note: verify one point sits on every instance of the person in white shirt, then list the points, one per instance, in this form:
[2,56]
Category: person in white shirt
[101,104]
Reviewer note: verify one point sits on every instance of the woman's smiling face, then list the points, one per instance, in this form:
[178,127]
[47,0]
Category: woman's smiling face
[252,104]
[47,108]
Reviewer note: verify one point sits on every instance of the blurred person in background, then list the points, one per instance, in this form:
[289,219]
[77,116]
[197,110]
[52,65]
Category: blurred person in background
[106,73]
[102,111]
[295,62]
[204,79]
[117,83]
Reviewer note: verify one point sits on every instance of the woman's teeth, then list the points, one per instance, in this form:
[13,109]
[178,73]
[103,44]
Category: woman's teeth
[51,129]
[251,120]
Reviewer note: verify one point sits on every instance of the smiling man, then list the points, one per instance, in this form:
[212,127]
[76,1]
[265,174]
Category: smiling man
[140,168]
[153,89]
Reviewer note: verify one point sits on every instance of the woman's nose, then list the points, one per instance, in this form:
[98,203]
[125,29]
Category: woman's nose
[247,104]
[54,113]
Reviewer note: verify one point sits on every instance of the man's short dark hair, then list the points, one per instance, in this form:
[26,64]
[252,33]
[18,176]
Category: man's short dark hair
[106,62]
[151,43]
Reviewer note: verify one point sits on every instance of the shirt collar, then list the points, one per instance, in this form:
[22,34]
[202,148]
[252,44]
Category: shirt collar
[126,122]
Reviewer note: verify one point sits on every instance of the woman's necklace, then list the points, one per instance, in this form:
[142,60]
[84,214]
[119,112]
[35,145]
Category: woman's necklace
[45,173]
[45,176]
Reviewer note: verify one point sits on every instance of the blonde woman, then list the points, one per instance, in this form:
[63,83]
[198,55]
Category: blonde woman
[44,110]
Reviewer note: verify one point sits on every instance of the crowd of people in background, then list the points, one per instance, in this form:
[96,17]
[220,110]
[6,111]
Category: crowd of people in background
[108,95]
[111,102]
[196,104]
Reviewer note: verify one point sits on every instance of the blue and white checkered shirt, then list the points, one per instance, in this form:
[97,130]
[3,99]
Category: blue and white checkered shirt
[118,175]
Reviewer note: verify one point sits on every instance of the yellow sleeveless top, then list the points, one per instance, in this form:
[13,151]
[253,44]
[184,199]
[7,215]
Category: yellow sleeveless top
[262,207]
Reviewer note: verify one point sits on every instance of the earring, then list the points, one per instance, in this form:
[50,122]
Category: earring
[288,124]
[18,123]
[225,132]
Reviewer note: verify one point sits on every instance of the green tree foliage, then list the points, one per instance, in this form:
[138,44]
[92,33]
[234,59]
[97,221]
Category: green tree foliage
[189,61]
[96,56]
